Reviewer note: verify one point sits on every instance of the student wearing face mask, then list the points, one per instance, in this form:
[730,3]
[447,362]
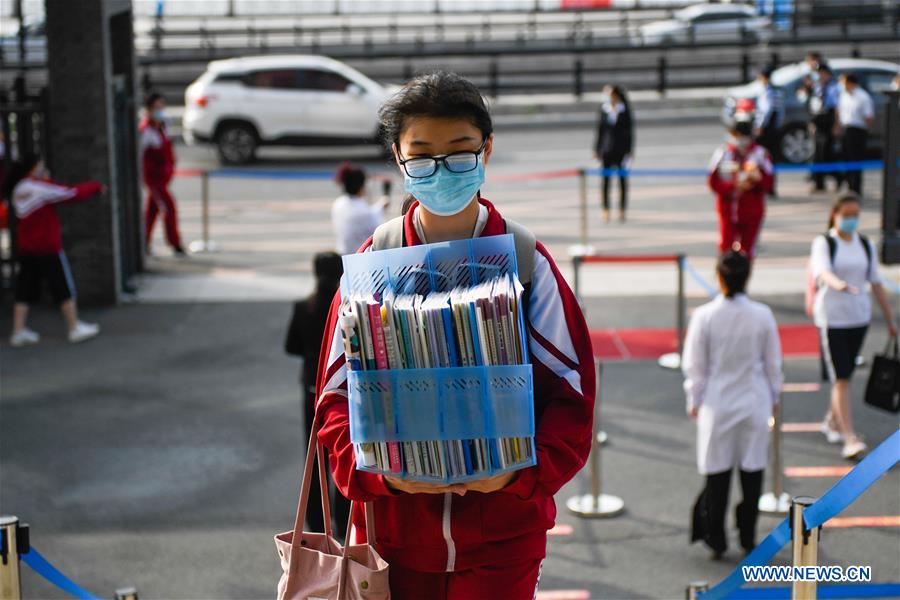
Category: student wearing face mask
[158,161]
[39,251]
[843,262]
[740,175]
[487,538]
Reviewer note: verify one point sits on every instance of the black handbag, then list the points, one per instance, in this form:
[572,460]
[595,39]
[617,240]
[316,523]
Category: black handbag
[883,389]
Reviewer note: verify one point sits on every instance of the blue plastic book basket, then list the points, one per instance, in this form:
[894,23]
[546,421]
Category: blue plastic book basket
[443,424]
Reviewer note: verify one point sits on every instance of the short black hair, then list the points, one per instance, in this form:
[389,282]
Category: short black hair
[439,94]
[352,177]
[17,172]
[151,98]
[767,71]
[734,269]
[824,68]
[851,78]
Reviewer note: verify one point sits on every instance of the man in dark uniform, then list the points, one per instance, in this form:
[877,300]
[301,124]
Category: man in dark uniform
[823,104]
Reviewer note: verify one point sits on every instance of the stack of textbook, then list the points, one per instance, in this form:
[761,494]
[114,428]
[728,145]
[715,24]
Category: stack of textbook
[440,385]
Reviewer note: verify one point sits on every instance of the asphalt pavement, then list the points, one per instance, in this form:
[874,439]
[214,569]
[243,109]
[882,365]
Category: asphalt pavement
[166,453]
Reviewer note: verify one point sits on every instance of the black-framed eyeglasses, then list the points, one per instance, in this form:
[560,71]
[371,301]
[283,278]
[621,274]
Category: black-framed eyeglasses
[420,167]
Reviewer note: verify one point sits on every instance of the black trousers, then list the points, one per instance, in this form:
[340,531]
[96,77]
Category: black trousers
[614,161]
[824,137]
[708,523]
[340,506]
[853,145]
[769,139]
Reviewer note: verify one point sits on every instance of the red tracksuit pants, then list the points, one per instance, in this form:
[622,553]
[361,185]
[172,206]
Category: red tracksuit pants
[739,223]
[160,200]
[516,581]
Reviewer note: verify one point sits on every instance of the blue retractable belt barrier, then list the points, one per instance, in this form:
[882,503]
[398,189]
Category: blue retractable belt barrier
[43,568]
[860,165]
[839,590]
[839,497]
[707,287]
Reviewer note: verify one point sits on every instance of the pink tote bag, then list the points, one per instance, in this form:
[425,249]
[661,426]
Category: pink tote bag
[315,565]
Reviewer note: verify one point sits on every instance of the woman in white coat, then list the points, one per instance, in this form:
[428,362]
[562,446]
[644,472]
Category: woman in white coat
[732,369]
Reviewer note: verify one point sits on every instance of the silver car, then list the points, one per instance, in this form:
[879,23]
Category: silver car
[796,144]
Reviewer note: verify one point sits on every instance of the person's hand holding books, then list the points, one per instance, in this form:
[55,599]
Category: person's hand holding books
[491,484]
[418,487]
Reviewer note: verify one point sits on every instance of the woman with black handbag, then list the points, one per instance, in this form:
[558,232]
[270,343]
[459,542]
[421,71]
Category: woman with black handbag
[843,262]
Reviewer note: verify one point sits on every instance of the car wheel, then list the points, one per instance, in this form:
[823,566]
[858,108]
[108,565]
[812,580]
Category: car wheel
[236,143]
[797,146]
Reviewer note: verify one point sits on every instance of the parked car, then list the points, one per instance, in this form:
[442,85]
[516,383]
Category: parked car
[796,145]
[243,103]
[707,23]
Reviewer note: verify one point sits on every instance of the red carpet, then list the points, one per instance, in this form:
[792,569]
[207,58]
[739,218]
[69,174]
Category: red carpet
[649,344]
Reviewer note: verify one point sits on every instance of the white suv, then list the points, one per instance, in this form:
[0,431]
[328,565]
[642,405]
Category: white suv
[242,103]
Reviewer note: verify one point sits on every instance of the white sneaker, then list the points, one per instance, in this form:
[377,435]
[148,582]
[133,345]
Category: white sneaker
[854,448]
[83,331]
[832,435]
[24,337]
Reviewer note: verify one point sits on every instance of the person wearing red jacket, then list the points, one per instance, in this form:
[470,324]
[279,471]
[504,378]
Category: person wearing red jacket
[39,250]
[740,174]
[486,538]
[158,161]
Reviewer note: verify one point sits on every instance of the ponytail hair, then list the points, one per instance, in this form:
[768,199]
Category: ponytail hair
[838,204]
[734,269]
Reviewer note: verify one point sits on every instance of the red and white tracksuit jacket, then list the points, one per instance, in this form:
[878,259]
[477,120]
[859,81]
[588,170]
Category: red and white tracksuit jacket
[740,213]
[158,162]
[157,157]
[34,200]
[446,532]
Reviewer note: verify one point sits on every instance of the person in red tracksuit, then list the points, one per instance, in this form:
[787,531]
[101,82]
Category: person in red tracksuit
[740,174]
[159,166]
[39,251]
[487,538]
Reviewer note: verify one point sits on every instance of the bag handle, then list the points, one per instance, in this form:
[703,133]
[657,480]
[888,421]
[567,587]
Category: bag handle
[315,451]
[312,453]
[892,345]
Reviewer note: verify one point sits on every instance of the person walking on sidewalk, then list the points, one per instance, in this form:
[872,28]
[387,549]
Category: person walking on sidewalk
[158,162]
[352,217]
[769,117]
[822,105]
[484,538]
[304,339]
[39,250]
[733,379]
[614,145]
[740,175]
[843,261]
[856,115]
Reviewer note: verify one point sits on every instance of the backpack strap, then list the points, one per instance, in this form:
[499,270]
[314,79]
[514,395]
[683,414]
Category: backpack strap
[525,250]
[832,250]
[388,234]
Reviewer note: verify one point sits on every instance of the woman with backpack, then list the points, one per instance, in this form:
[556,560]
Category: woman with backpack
[614,145]
[485,538]
[842,262]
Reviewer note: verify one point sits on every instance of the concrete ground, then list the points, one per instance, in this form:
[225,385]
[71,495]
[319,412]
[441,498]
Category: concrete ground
[165,454]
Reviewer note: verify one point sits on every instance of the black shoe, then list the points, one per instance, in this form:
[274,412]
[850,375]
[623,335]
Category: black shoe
[180,252]
[716,555]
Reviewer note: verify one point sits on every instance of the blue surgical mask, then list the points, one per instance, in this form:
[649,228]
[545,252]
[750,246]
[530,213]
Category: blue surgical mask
[446,193]
[848,224]
[159,115]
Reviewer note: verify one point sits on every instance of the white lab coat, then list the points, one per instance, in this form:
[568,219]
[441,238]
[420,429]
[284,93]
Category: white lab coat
[732,370]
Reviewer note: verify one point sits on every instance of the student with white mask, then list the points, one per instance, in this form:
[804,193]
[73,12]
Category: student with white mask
[842,263]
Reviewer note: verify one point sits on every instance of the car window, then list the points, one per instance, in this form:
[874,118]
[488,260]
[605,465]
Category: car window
[720,16]
[230,78]
[324,81]
[279,79]
[878,81]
